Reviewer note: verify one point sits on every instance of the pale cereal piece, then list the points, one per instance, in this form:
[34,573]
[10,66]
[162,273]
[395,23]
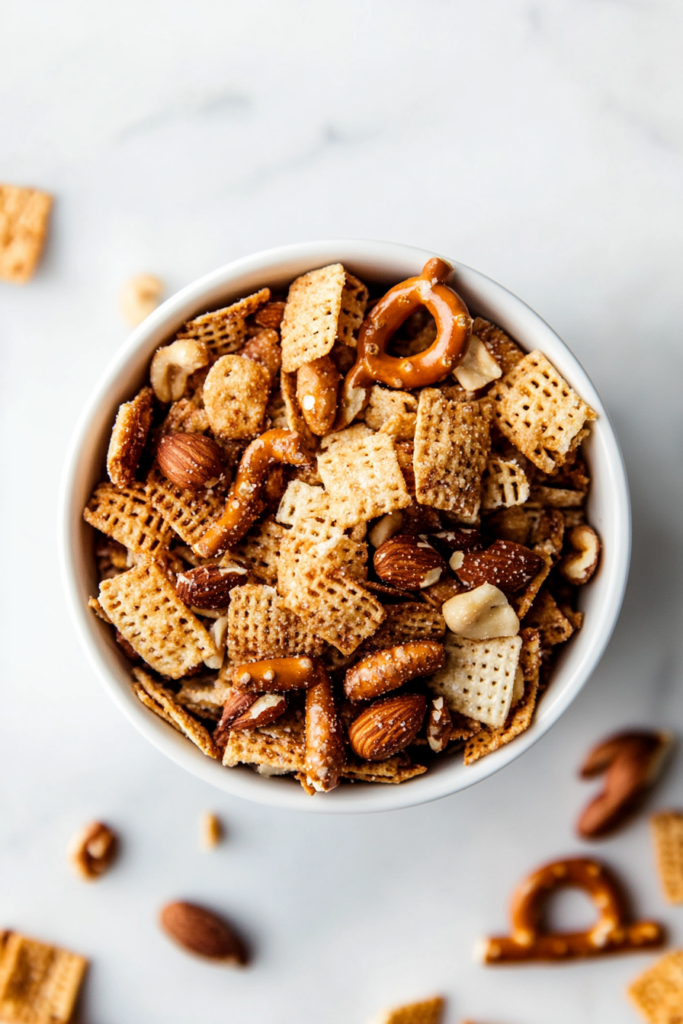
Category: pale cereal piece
[519,718]
[139,297]
[224,330]
[261,626]
[39,983]
[548,525]
[428,1011]
[235,396]
[293,415]
[206,698]
[128,438]
[259,550]
[535,408]
[667,835]
[126,514]
[478,677]
[353,302]
[303,502]
[392,771]
[557,497]
[363,479]
[451,449]
[400,427]
[503,349]
[545,616]
[317,541]
[185,417]
[277,749]
[99,611]
[150,703]
[310,323]
[657,993]
[185,723]
[405,623]
[522,601]
[504,484]
[573,517]
[24,214]
[188,513]
[146,610]
[211,831]
[384,404]
[352,433]
[334,605]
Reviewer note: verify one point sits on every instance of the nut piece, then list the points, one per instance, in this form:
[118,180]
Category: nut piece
[173,364]
[317,384]
[235,704]
[481,614]
[458,540]
[439,725]
[408,562]
[202,932]
[263,711]
[93,851]
[505,564]
[389,669]
[386,528]
[270,315]
[387,726]
[578,568]
[264,348]
[212,831]
[208,586]
[139,297]
[477,367]
[190,460]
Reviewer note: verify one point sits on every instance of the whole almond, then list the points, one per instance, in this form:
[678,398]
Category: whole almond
[408,562]
[505,564]
[190,460]
[387,726]
[200,931]
[207,586]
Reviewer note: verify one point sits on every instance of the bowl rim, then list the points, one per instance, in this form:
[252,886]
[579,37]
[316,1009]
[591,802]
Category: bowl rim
[107,660]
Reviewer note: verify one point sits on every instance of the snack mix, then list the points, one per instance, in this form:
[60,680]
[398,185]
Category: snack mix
[342,537]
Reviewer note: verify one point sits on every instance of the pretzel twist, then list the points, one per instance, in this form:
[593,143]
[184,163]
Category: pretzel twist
[610,934]
[453,328]
[244,503]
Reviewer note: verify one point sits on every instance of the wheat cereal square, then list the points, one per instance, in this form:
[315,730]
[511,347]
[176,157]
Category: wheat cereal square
[128,438]
[186,512]
[260,550]
[363,479]
[144,607]
[261,626]
[126,514]
[353,302]
[657,993]
[538,412]
[452,444]
[504,350]
[278,748]
[163,703]
[224,330]
[427,1011]
[311,319]
[667,835]
[405,623]
[24,216]
[206,697]
[384,404]
[478,678]
[505,484]
[39,983]
[334,605]
[235,395]
[390,771]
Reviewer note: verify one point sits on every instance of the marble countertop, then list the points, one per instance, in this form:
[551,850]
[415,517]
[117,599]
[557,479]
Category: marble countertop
[538,142]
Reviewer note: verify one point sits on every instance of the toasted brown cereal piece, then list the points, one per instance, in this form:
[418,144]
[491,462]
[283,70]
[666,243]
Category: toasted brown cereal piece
[451,450]
[463,727]
[667,835]
[139,297]
[385,404]
[545,616]
[185,417]
[293,414]
[311,319]
[557,497]
[261,626]
[276,749]
[39,983]
[535,408]
[150,703]
[523,600]
[407,622]
[276,411]
[270,315]
[548,526]
[504,484]
[145,608]
[260,550]
[353,433]
[392,771]
[126,514]
[401,426]
[188,513]
[657,993]
[503,349]
[334,605]
[235,396]
[428,1011]
[363,479]
[128,438]
[24,214]
[206,697]
[211,831]
[184,722]
[224,330]
[519,718]
[353,302]
[479,676]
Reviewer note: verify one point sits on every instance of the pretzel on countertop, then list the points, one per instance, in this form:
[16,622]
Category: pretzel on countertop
[277,675]
[610,934]
[453,329]
[244,503]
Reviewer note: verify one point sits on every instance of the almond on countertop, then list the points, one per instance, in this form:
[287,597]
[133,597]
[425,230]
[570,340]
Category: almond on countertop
[200,931]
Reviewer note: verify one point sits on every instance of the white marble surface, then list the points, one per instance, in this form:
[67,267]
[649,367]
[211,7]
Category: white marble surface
[540,143]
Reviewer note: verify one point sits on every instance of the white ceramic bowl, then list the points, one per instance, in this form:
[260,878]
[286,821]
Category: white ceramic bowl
[383,263]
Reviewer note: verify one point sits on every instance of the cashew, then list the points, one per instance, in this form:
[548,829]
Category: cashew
[481,614]
[477,367]
[173,364]
[578,568]
[385,528]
